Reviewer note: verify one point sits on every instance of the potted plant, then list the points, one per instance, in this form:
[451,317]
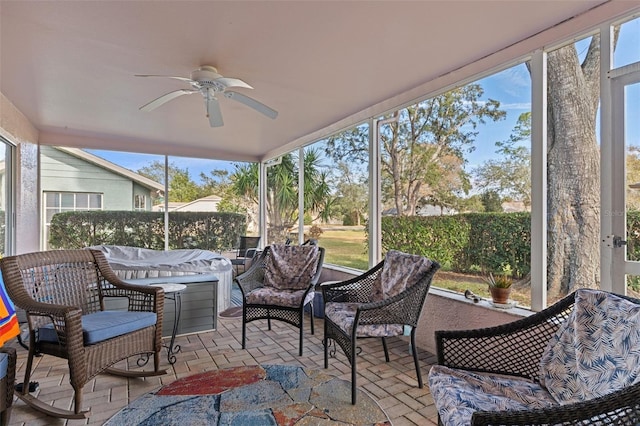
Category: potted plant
[499,287]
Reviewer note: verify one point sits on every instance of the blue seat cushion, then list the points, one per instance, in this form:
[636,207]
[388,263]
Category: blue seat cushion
[4,364]
[104,325]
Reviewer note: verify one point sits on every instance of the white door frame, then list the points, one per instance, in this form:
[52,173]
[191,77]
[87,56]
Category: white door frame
[620,78]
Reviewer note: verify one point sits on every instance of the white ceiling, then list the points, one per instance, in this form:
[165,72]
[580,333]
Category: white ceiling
[69,66]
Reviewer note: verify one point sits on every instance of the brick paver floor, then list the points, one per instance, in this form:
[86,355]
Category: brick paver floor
[393,385]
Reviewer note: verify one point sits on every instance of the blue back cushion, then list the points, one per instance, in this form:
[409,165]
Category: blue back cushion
[4,364]
[104,325]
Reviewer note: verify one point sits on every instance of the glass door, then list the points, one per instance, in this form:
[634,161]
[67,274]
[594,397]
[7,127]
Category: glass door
[625,214]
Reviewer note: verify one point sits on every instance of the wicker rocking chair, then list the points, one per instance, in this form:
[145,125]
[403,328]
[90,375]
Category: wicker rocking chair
[279,284]
[378,303]
[62,293]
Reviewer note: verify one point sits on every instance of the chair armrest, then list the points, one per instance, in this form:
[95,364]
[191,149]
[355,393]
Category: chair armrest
[141,297]
[621,407]
[354,290]
[403,308]
[514,348]
[253,277]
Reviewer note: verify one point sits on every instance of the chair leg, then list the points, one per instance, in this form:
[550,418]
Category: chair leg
[415,357]
[325,344]
[77,399]
[353,371]
[244,327]
[301,322]
[386,349]
[311,306]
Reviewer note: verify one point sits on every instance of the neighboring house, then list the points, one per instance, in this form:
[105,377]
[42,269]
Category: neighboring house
[73,180]
[515,207]
[205,204]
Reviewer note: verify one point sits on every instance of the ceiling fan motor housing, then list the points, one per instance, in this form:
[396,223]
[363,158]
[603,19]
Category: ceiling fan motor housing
[205,76]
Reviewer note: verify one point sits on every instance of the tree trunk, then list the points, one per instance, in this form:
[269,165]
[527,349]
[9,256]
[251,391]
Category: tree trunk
[573,171]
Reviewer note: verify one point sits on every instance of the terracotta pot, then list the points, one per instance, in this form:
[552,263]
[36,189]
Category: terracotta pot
[500,295]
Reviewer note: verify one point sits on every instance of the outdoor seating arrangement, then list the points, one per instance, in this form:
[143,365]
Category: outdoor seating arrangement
[279,284]
[382,302]
[246,251]
[62,293]
[576,362]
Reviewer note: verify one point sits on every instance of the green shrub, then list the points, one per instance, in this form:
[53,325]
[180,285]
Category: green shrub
[204,230]
[464,243]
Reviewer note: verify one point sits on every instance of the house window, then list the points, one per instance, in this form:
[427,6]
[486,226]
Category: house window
[58,202]
[139,202]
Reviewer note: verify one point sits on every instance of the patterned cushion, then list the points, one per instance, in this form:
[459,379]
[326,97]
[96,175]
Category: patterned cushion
[291,267]
[343,315]
[399,272]
[273,296]
[595,351]
[458,394]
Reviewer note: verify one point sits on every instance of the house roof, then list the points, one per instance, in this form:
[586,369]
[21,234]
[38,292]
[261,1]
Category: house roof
[101,162]
[70,67]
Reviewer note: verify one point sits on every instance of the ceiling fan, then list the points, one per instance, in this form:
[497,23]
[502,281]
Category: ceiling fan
[206,81]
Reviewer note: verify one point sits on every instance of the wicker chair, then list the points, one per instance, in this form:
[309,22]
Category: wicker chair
[62,293]
[514,352]
[356,308]
[7,384]
[262,301]
[246,251]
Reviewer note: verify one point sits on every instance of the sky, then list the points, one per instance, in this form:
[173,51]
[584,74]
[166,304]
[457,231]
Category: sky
[512,87]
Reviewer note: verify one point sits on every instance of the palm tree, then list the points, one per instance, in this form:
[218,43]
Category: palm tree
[282,191]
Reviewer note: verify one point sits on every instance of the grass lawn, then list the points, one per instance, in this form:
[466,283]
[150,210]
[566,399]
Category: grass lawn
[345,246]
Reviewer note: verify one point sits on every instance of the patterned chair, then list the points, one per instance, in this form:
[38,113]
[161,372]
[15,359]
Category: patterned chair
[62,293]
[378,303]
[574,363]
[279,284]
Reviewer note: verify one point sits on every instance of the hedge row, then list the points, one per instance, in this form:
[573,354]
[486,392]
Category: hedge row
[203,230]
[473,242]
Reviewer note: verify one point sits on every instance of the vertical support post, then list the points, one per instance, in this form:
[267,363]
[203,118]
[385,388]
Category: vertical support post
[375,228]
[607,187]
[262,203]
[539,180]
[166,202]
[301,196]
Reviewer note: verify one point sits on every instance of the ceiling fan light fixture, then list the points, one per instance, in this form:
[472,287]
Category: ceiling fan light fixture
[208,83]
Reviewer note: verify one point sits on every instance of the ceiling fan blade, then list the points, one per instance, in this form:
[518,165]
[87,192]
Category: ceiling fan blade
[252,103]
[232,82]
[165,98]
[165,76]
[213,111]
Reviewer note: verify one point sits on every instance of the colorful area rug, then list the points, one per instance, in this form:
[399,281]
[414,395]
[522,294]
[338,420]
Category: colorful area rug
[253,395]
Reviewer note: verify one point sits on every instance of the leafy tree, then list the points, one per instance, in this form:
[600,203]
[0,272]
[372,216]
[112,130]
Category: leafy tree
[491,201]
[414,148]
[282,191]
[510,174]
[633,177]
[352,194]
[181,187]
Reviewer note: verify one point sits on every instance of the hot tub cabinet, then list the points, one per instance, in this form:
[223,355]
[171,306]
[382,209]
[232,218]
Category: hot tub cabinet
[207,275]
[199,302]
